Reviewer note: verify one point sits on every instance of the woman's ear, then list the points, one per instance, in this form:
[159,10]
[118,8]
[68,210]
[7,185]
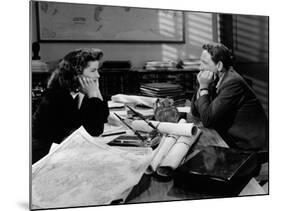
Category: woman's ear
[220,66]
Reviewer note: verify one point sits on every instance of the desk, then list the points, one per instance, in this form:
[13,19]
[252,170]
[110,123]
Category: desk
[155,189]
[151,189]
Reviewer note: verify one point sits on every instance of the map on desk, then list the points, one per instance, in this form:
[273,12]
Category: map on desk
[82,171]
[64,21]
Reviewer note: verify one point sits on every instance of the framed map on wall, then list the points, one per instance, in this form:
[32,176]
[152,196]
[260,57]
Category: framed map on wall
[85,22]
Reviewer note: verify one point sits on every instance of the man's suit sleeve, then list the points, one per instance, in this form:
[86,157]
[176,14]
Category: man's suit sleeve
[212,113]
[193,106]
[94,113]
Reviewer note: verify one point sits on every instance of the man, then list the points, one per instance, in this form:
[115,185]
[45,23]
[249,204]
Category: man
[225,102]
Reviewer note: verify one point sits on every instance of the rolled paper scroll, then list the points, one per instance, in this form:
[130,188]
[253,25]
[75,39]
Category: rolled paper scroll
[176,155]
[165,145]
[179,129]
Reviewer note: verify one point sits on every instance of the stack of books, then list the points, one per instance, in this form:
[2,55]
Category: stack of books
[160,65]
[163,90]
[190,64]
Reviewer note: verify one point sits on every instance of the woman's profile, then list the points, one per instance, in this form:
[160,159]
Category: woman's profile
[72,99]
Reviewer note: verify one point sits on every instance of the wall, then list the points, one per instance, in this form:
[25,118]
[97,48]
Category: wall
[199,28]
[251,50]
[250,42]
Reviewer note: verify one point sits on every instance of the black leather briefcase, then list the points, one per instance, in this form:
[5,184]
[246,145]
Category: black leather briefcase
[217,171]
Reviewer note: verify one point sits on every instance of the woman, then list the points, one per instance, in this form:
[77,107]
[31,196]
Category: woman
[72,99]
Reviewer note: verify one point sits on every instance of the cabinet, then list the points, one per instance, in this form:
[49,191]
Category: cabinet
[129,81]
[114,82]
[123,81]
[39,82]
[186,78]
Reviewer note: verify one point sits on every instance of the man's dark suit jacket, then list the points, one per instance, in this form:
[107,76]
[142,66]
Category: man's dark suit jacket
[58,115]
[235,112]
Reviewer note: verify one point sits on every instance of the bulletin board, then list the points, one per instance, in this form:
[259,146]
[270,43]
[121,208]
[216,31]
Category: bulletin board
[85,22]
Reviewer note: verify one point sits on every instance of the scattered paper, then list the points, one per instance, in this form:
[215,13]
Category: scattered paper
[112,129]
[185,109]
[112,104]
[82,171]
[113,120]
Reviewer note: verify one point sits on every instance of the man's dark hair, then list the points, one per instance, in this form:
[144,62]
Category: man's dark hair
[219,52]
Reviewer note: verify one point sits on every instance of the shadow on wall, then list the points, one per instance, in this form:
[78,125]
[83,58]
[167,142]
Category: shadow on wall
[257,73]
[251,38]
[251,50]
[199,29]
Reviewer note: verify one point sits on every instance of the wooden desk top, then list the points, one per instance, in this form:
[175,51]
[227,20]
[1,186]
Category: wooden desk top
[154,189]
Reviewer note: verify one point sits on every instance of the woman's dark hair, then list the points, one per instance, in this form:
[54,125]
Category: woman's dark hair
[219,52]
[71,66]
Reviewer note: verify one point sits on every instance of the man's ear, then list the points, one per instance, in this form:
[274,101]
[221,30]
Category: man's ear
[220,66]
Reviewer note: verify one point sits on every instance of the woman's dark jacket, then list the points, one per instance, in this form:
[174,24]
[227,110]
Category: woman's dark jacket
[58,115]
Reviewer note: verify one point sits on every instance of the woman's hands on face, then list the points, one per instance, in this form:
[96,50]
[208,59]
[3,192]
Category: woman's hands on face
[90,87]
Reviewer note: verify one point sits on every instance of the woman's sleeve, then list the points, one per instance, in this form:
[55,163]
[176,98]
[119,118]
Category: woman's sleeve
[42,129]
[94,113]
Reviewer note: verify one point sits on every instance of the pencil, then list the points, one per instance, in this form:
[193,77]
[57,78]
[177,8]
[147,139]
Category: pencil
[113,134]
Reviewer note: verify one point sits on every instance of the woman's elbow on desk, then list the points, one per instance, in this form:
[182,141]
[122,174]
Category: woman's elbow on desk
[95,131]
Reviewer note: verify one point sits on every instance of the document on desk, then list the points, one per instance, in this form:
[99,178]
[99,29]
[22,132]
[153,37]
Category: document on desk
[110,130]
[82,171]
[113,120]
[139,100]
[112,105]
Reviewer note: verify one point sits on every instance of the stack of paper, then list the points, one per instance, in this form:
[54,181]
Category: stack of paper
[191,64]
[113,105]
[163,90]
[160,65]
[160,89]
[134,99]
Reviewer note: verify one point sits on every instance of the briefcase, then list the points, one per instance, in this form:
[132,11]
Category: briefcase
[217,171]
